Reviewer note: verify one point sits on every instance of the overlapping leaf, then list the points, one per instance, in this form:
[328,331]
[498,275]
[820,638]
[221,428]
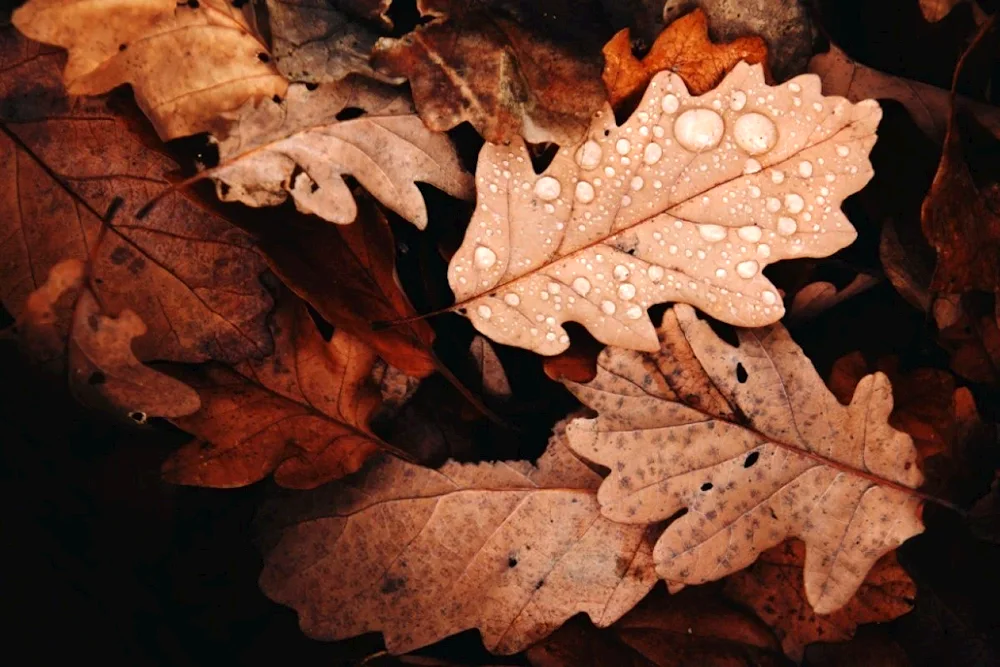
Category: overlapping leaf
[509,548]
[751,443]
[296,147]
[687,201]
[186,62]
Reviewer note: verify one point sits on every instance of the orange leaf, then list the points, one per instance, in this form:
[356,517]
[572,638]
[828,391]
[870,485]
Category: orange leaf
[683,48]
[773,588]
[301,413]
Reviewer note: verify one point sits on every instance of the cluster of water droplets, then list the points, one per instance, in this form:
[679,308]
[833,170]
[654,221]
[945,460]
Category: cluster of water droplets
[593,233]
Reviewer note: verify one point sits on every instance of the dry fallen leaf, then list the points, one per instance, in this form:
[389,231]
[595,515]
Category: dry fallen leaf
[348,274]
[301,413]
[692,629]
[935,10]
[492,377]
[298,147]
[187,63]
[417,554]
[819,297]
[469,65]
[683,48]
[928,105]
[191,276]
[687,201]
[772,587]
[756,449]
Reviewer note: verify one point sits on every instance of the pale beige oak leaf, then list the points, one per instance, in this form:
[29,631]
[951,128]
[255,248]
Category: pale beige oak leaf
[187,63]
[297,147]
[687,201]
[418,554]
[778,457]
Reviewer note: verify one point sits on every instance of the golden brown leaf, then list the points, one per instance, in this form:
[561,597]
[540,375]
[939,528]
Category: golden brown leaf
[190,275]
[772,587]
[756,449]
[301,413]
[468,65]
[186,62]
[417,554]
[686,201]
[690,629]
[683,48]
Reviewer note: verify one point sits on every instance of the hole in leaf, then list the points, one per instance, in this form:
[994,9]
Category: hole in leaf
[263,57]
[751,459]
[542,155]
[276,99]
[238,4]
[707,486]
[122,47]
[194,4]
[347,113]
[312,86]
[138,417]
[223,188]
[741,373]
[512,562]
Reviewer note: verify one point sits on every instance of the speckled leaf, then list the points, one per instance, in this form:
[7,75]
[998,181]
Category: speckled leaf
[417,554]
[765,454]
[186,62]
[297,147]
[687,201]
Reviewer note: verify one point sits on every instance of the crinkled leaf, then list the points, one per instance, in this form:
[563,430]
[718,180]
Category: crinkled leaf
[687,201]
[417,554]
[301,413]
[752,444]
[190,275]
[187,63]
[296,147]
[772,587]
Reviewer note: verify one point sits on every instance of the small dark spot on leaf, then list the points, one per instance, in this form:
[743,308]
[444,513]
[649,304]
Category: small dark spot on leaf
[223,188]
[751,459]
[540,583]
[349,113]
[93,322]
[122,47]
[392,585]
[120,255]
[263,57]
[313,187]
[312,86]
[137,416]
[276,99]
[194,4]
[707,486]
[511,562]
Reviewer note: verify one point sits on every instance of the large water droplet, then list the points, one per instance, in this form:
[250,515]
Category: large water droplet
[637,183]
[843,151]
[805,169]
[512,299]
[634,312]
[773,204]
[547,188]
[626,291]
[699,129]
[655,273]
[768,297]
[608,307]
[750,234]
[737,100]
[652,154]
[581,286]
[584,192]
[484,257]
[621,272]
[623,146]
[751,166]
[670,103]
[589,154]
[755,133]
[794,203]
[712,233]
[484,312]
[786,226]
[747,269]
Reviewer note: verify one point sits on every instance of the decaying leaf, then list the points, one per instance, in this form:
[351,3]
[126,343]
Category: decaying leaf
[683,48]
[772,587]
[301,413]
[417,554]
[45,321]
[348,274]
[757,450]
[961,214]
[816,298]
[493,378]
[928,105]
[102,365]
[935,10]
[469,65]
[315,42]
[187,63]
[296,146]
[689,629]
[687,201]
[190,275]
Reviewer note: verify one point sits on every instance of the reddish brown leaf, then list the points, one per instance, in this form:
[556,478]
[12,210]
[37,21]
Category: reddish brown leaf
[578,363]
[301,413]
[692,628]
[773,588]
[468,65]
[189,275]
[683,48]
[348,274]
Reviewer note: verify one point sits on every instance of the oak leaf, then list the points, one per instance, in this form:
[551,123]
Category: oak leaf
[297,147]
[301,413]
[417,554]
[467,64]
[683,48]
[190,275]
[187,63]
[753,445]
[348,274]
[687,201]
[772,587]
[692,628]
